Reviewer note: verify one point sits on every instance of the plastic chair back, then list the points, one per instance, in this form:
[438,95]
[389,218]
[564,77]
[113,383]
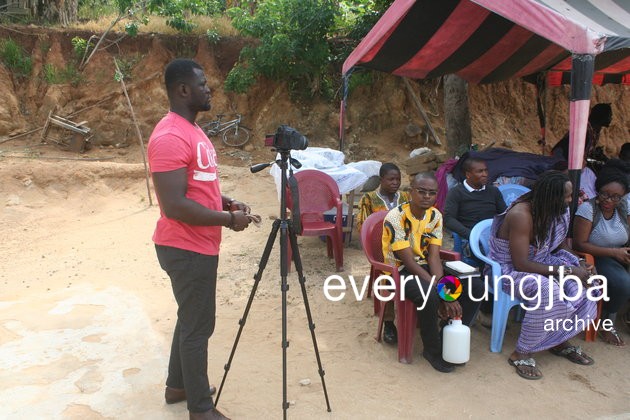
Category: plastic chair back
[479,244]
[511,192]
[318,193]
[371,237]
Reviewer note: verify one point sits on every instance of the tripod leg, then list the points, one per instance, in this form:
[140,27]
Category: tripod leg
[241,322]
[298,267]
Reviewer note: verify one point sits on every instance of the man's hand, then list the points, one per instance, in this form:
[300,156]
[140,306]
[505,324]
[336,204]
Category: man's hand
[241,221]
[449,310]
[255,219]
[588,267]
[582,273]
[237,205]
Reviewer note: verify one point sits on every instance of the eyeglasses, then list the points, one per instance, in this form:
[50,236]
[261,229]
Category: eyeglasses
[428,193]
[613,198]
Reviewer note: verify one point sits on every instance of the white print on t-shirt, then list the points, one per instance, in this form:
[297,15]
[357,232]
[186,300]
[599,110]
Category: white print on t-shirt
[204,176]
[206,156]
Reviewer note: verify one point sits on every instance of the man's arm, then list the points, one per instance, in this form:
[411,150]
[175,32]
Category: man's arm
[171,187]
[451,212]
[520,229]
[406,255]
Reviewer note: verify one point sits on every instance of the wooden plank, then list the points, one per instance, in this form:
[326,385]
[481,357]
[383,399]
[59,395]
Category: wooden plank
[69,125]
[46,127]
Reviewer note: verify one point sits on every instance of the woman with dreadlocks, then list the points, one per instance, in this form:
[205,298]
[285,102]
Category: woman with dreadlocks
[528,241]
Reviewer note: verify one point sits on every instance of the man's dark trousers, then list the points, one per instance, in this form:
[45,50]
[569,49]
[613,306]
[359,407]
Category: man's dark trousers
[428,316]
[193,279]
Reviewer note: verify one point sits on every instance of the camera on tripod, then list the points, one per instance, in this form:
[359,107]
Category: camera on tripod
[286,138]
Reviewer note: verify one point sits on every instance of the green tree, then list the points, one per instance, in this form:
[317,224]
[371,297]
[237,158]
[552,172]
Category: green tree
[292,44]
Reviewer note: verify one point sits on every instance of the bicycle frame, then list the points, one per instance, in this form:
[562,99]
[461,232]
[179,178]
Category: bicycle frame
[233,133]
[217,126]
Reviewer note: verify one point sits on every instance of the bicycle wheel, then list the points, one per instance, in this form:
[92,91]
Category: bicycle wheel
[235,136]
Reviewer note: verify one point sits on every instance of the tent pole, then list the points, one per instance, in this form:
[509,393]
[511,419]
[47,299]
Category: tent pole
[342,108]
[541,106]
[581,83]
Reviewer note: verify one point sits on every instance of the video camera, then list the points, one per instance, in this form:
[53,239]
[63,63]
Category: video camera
[286,138]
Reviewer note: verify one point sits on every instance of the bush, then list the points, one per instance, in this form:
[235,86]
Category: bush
[293,44]
[14,58]
[79,45]
[55,76]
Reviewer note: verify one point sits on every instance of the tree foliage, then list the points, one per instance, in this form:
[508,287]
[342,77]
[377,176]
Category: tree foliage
[293,43]
[295,40]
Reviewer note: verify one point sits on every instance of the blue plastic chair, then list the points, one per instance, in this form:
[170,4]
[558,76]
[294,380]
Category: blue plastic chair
[479,237]
[511,192]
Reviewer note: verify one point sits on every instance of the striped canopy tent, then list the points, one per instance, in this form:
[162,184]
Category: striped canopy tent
[483,41]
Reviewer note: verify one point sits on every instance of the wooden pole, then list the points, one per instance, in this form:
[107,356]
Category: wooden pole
[135,122]
[422,111]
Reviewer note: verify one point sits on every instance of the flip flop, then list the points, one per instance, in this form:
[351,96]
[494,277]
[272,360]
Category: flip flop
[530,362]
[614,338]
[573,354]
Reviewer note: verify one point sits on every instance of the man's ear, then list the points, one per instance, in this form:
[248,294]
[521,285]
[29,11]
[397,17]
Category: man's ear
[183,89]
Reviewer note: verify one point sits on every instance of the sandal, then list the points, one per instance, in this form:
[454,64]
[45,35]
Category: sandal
[573,354]
[530,362]
[611,336]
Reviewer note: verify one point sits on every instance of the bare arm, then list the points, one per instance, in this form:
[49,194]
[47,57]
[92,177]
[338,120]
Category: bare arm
[170,188]
[519,225]
[582,230]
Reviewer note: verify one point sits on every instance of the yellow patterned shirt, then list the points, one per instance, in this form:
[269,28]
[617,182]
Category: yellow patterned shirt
[373,202]
[402,230]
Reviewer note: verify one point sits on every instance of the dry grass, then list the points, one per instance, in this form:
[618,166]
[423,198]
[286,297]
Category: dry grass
[157,24]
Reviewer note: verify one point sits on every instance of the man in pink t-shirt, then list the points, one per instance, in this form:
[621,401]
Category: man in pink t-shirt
[187,237]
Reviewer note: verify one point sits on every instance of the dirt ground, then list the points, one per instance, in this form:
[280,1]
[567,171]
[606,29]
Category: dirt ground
[86,314]
[86,319]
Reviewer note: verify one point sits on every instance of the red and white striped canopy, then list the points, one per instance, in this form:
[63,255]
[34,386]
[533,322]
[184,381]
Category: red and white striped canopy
[485,41]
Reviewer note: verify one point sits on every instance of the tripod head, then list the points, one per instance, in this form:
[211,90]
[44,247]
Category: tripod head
[285,162]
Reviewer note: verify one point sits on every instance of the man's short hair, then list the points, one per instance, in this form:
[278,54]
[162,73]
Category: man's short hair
[424,175]
[180,70]
[386,167]
[468,163]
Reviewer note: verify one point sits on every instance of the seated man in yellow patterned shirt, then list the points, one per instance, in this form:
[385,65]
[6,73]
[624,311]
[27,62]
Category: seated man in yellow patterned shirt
[412,236]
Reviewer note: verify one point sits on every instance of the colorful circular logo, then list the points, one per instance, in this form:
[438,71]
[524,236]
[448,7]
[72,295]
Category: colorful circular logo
[449,288]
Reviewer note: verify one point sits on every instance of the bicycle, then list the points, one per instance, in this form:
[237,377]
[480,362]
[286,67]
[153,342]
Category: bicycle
[234,134]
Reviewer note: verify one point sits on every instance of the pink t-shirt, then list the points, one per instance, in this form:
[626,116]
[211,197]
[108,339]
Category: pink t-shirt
[174,144]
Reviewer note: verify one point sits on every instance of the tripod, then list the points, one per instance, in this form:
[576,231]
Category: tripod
[287,232]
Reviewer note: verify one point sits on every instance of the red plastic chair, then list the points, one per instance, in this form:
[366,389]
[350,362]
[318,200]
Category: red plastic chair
[406,315]
[318,193]
[590,334]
